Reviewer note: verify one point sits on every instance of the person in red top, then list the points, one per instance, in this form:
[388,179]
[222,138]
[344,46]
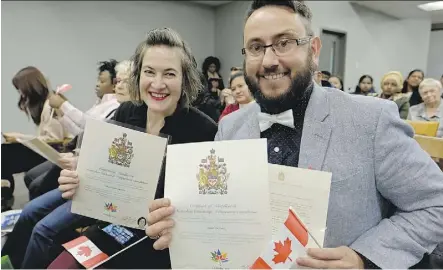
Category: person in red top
[241,93]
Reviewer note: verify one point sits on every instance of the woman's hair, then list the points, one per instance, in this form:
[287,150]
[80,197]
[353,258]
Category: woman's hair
[358,89]
[108,66]
[405,83]
[430,82]
[341,81]
[211,60]
[236,75]
[191,83]
[34,92]
[124,66]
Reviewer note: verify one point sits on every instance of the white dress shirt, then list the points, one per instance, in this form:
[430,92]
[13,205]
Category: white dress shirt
[74,120]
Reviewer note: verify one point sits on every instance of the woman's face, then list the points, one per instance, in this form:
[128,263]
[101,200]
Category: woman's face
[390,86]
[161,79]
[241,91]
[415,79]
[122,87]
[335,82]
[212,68]
[215,85]
[430,94]
[365,85]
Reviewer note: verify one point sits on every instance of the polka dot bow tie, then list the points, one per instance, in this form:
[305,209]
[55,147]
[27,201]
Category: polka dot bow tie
[267,120]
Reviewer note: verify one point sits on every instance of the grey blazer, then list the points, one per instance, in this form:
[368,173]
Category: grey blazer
[377,168]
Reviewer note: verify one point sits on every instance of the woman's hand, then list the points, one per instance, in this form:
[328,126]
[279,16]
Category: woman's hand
[68,181]
[68,161]
[160,223]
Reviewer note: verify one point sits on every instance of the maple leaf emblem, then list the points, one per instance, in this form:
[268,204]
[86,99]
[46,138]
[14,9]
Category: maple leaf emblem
[84,251]
[283,251]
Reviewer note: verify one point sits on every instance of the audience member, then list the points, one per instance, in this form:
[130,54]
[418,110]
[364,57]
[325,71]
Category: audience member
[410,86]
[162,50]
[43,178]
[431,109]
[206,102]
[241,93]
[34,92]
[325,75]
[365,86]
[391,90]
[74,119]
[336,82]
[386,201]
[211,69]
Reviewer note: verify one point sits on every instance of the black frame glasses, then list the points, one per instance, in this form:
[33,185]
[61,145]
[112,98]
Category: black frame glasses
[298,41]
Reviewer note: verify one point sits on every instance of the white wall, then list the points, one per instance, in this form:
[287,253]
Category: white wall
[435,59]
[375,43]
[65,40]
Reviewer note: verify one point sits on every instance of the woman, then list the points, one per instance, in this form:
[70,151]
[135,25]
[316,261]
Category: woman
[241,93]
[432,107]
[48,217]
[365,86]
[211,69]
[391,89]
[410,86]
[165,81]
[336,82]
[34,93]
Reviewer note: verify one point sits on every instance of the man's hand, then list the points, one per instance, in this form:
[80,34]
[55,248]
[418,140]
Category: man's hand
[331,258]
[56,100]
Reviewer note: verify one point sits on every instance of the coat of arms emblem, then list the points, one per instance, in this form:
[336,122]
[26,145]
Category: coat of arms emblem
[121,151]
[213,175]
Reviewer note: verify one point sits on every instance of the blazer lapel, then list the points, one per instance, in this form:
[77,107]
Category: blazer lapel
[317,129]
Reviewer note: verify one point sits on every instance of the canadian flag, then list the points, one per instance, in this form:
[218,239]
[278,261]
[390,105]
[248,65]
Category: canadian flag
[85,252]
[289,244]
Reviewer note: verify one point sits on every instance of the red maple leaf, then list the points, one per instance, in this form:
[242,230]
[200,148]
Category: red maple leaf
[283,251]
[85,251]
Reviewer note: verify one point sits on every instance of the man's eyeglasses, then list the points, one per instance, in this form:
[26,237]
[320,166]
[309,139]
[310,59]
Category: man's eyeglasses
[280,47]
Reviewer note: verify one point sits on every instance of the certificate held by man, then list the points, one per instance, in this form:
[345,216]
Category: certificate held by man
[118,170]
[220,191]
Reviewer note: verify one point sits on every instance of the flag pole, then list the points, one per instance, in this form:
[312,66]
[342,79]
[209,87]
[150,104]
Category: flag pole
[304,225]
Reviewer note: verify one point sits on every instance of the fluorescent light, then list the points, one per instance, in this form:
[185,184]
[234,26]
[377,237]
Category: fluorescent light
[432,6]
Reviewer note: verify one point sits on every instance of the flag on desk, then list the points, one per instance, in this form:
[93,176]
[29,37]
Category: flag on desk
[85,252]
[288,245]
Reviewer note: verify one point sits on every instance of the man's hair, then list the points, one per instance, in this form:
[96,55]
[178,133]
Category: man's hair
[299,7]
[327,73]
[108,66]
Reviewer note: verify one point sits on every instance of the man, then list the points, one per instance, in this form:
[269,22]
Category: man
[325,75]
[377,167]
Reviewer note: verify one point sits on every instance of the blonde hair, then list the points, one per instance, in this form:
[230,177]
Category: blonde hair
[430,82]
[397,76]
[191,83]
[124,66]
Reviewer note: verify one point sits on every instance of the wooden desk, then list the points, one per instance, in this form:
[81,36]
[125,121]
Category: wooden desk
[432,145]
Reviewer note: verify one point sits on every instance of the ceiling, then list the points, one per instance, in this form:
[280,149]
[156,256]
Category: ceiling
[397,9]
[403,9]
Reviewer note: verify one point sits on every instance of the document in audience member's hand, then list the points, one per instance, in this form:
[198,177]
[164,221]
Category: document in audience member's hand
[118,169]
[220,191]
[307,191]
[41,148]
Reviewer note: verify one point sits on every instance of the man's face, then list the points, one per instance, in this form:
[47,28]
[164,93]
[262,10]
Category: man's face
[104,84]
[277,75]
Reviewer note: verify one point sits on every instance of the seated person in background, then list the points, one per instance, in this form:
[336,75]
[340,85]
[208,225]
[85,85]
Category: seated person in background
[241,92]
[72,118]
[325,75]
[211,69]
[47,219]
[235,70]
[336,82]
[410,86]
[319,79]
[432,107]
[34,93]
[43,178]
[391,89]
[206,103]
[163,62]
[365,86]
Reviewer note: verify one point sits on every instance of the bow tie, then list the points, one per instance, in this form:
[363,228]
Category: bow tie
[267,120]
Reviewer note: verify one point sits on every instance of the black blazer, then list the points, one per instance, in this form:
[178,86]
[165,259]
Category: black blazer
[186,125]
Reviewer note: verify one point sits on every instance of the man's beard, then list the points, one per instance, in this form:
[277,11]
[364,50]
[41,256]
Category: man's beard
[301,82]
